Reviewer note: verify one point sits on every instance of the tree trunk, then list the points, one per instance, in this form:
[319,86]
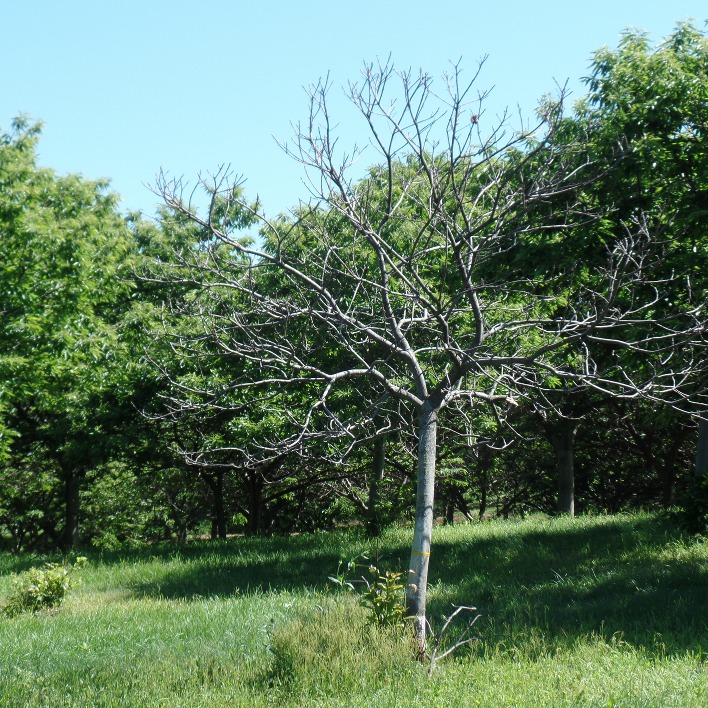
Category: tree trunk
[483,466]
[374,520]
[215,482]
[219,507]
[483,501]
[562,439]
[702,450]
[255,504]
[450,511]
[72,505]
[417,585]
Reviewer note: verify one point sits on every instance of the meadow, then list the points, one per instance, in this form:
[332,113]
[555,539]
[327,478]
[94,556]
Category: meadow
[592,611]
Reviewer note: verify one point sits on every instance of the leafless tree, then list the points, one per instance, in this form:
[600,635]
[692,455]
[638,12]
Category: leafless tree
[399,284]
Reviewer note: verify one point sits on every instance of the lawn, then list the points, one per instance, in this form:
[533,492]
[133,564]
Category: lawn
[595,611]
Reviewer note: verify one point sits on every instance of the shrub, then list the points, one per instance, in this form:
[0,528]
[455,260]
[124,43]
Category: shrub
[383,597]
[692,514]
[41,588]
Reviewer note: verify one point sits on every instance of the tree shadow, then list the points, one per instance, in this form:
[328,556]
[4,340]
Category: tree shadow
[609,580]
[242,565]
[14,563]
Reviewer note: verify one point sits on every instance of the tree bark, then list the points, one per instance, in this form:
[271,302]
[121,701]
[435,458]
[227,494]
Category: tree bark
[215,482]
[563,439]
[374,520]
[701,468]
[450,511]
[72,505]
[417,585]
[483,500]
[255,504]
[219,506]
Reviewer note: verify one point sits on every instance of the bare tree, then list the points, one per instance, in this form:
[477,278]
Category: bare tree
[407,284]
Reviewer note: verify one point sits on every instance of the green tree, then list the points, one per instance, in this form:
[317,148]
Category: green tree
[651,102]
[654,99]
[63,290]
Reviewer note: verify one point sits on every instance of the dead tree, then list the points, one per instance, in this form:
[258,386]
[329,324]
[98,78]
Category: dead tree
[399,283]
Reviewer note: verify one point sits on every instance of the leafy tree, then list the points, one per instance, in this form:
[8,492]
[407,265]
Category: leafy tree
[61,254]
[651,101]
[219,444]
[654,99]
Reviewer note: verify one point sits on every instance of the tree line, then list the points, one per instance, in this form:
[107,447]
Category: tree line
[493,319]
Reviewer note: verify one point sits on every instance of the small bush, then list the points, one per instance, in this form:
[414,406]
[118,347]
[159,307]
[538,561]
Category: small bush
[383,594]
[41,588]
[383,597]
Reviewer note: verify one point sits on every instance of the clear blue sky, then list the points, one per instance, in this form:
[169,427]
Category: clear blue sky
[128,87]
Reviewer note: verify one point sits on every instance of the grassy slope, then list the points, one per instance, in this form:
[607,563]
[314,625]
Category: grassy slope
[595,611]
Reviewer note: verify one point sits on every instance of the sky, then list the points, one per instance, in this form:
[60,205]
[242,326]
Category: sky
[128,88]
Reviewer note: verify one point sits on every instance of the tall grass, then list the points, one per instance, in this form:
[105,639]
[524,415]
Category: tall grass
[592,611]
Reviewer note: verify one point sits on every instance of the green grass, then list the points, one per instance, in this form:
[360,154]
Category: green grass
[595,611]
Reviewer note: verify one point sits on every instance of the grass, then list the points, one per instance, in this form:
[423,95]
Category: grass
[596,611]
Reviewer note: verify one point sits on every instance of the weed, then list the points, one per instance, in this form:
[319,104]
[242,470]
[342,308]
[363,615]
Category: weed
[383,593]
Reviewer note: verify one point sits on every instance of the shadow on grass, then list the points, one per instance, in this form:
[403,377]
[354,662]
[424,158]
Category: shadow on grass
[243,565]
[618,579]
[11,563]
[621,577]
